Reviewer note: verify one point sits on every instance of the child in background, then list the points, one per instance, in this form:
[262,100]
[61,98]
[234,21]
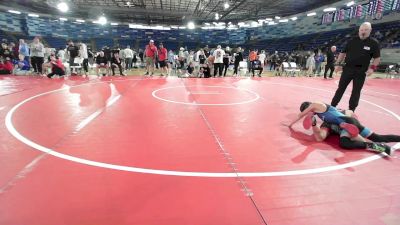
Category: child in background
[22,66]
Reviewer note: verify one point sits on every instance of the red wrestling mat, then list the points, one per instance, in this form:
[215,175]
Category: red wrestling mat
[139,150]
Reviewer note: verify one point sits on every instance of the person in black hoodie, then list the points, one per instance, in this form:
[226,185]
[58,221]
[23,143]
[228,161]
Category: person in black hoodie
[102,62]
[73,51]
[238,59]
[116,62]
[227,59]
[330,61]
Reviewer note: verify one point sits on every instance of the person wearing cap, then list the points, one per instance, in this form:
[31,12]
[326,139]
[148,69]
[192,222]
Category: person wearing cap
[358,53]
[150,54]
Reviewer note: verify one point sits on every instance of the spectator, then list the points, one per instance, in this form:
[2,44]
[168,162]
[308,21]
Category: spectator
[116,62]
[73,52]
[102,63]
[218,60]
[330,62]
[83,53]
[274,59]
[317,59]
[151,54]
[5,51]
[189,70]
[256,65]
[141,56]
[162,59]
[310,65]
[205,71]
[6,66]
[57,67]
[181,59]
[171,61]
[227,59]
[128,56]
[37,55]
[22,66]
[262,58]
[61,54]
[14,51]
[238,58]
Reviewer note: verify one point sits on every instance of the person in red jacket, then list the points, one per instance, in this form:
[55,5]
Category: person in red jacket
[150,53]
[57,67]
[162,59]
[6,67]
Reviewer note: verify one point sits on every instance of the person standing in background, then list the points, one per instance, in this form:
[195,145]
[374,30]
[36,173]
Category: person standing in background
[151,55]
[238,59]
[23,49]
[330,62]
[218,60]
[83,53]
[37,55]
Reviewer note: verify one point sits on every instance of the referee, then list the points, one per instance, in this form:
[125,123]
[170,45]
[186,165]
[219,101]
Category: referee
[358,53]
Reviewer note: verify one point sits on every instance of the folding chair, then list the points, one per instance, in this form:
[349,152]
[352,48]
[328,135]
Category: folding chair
[243,68]
[295,69]
[78,62]
[286,68]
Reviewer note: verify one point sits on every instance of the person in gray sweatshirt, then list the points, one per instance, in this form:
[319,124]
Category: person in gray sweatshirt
[37,55]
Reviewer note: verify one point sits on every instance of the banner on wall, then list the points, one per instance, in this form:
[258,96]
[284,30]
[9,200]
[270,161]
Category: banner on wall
[396,5]
[373,9]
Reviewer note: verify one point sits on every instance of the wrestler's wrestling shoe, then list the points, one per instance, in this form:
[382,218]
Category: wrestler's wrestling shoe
[309,121]
[379,147]
[351,129]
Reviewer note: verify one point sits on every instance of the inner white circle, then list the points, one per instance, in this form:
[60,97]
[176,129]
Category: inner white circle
[256,96]
[16,134]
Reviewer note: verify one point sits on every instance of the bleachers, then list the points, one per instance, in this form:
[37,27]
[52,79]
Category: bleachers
[56,42]
[283,37]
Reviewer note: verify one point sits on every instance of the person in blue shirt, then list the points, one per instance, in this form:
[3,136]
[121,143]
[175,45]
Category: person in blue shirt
[23,49]
[22,65]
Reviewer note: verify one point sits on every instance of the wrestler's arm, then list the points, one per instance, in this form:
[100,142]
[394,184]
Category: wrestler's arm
[311,108]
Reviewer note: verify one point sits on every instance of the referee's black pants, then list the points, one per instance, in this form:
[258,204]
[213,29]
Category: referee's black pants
[355,74]
[235,71]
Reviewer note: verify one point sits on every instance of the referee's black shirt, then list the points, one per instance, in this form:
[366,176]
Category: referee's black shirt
[359,52]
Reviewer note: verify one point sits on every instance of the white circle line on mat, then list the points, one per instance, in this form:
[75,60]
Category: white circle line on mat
[256,96]
[16,134]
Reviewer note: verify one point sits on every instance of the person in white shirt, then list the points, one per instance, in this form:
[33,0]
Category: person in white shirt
[83,53]
[218,60]
[262,57]
[181,59]
[61,54]
[128,55]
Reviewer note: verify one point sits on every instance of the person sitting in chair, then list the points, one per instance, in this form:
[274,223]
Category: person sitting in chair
[257,65]
[102,63]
